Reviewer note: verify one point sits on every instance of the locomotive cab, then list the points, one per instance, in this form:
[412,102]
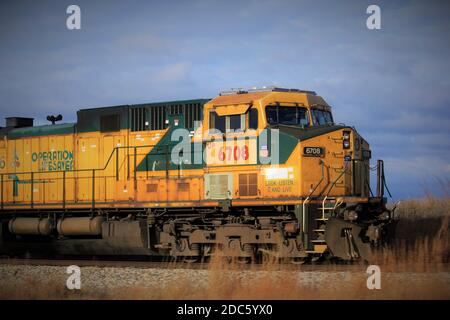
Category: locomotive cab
[304,140]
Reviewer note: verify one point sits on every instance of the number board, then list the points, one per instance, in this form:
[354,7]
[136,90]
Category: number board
[313,151]
[231,152]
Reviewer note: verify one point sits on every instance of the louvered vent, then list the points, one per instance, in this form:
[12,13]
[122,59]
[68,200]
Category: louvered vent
[248,184]
[218,186]
[183,186]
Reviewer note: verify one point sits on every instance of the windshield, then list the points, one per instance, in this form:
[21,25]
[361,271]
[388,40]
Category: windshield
[321,117]
[295,116]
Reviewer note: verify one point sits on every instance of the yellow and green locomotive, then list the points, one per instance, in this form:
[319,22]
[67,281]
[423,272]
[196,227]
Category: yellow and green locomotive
[248,174]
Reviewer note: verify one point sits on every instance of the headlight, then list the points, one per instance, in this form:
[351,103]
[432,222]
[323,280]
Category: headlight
[386,215]
[352,215]
[346,139]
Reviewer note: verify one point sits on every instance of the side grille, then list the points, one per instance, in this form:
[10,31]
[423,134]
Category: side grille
[248,184]
[218,186]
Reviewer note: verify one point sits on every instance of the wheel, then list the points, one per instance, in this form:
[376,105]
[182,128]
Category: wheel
[298,261]
[244,260]
[190,260]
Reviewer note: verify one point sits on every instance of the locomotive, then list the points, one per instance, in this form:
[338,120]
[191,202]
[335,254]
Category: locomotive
[247,175]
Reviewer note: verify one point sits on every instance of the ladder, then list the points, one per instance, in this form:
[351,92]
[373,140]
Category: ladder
[327,210]
[319,242]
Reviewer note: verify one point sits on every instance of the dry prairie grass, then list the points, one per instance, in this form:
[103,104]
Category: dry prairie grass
[422,241]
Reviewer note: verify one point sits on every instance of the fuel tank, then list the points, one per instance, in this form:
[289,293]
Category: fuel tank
[31,226]
[80,226]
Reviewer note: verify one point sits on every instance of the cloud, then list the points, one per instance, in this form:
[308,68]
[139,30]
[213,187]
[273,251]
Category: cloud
[173,73]
[412,121]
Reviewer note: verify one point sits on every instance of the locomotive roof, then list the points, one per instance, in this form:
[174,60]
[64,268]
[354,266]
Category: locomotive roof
[149,104]
[281,95]
[44,130]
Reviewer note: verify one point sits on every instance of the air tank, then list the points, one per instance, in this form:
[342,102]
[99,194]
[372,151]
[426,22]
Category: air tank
[32,226]
[80,226]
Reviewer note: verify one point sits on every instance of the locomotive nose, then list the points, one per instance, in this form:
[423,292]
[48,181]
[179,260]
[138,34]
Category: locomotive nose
[354,146]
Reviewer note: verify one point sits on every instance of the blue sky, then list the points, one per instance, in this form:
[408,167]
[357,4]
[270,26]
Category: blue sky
[392,84]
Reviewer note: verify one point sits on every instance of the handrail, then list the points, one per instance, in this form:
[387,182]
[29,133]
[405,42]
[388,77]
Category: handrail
[88,169]
[64,172]
[329,190]
[307,198]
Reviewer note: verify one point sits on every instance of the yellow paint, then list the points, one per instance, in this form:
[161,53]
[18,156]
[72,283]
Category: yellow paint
[232,109]
[320,248]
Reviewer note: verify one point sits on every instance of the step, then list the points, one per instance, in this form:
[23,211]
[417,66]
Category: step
[318,241]
[321,219]
[326,208]
[319,230]
[318,249]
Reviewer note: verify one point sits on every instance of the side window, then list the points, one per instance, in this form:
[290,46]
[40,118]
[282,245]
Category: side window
[230,123]
[329,117]
[321,117]
[235,122]
[253,119]
[303,116]
[272,114]
[318,117]
[216,122]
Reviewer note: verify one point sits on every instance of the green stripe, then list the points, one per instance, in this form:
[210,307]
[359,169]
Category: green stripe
[157,157]
[47,130]
[310,132]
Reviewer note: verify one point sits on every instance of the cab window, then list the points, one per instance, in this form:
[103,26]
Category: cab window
[235,122]
[294,116]
[229,123]
[253,119]
[321,117]
[216,122]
